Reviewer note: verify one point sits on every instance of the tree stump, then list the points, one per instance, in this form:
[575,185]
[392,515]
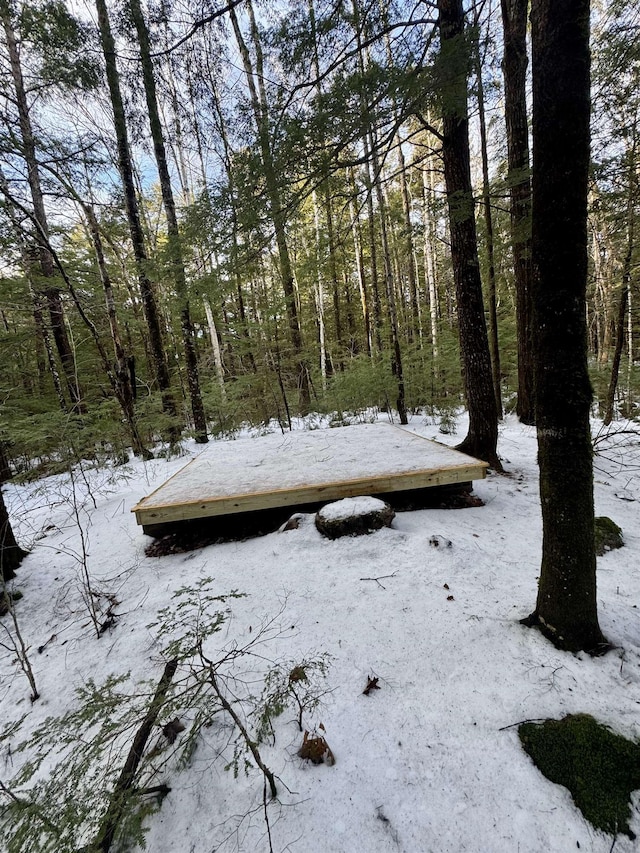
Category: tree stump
[353,517]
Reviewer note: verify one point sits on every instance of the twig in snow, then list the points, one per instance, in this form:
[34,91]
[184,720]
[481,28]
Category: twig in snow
[243,731]
[266,815]
[387,824]
[380,578]
[521,723]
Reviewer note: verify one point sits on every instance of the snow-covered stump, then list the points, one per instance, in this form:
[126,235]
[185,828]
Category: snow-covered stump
[353,517]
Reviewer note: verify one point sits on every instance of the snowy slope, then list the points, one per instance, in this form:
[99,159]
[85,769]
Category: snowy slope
[429,762]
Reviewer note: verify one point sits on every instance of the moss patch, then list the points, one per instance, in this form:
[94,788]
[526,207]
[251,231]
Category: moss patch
[599,767]
[607,534]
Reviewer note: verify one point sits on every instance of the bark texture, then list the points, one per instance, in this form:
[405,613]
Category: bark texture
[173,233]
[121,375]
[125,166]
[482,438]
[624,293]
[566,609]
[11,554]
[494,344]
[514,66]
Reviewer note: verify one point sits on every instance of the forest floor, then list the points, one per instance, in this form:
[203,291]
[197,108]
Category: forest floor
[431,761]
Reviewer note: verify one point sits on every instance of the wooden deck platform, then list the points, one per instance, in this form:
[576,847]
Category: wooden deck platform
[301,468]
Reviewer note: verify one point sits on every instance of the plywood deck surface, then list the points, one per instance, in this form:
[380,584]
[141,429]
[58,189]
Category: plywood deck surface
[303,467]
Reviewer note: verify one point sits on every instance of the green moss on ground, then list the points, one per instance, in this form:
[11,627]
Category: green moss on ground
[599,767]
[607,534]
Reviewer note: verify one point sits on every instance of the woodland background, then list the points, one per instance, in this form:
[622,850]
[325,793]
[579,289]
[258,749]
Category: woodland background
[220,218]
[218,215]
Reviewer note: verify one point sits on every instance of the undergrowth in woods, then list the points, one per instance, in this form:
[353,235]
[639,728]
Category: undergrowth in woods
[94,774]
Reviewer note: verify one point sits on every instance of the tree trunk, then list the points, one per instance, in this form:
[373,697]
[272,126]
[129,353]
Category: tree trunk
[259,105]
[51,292]
[413,327]
[373,256]
[370,179]
[11,554]
[173,233]
[620,328]
[215,347]
[396,358]
[374,184]
[428,192]
[37,297]
[566,609]
[325,189]
[617,352]
[319,292]
[125,166]
[482,438]
[359,260]
[514,18]
[412,278]
[630,354]
[235,229]
[494,345]
[121,377]
[626,282]
[6,473]
[30,258]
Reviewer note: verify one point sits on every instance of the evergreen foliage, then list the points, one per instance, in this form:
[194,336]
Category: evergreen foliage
[358,203]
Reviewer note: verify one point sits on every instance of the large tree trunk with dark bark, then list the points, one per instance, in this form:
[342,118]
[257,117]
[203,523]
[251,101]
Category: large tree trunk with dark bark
[482,438]
[11,554]
[566,609]
[514,20]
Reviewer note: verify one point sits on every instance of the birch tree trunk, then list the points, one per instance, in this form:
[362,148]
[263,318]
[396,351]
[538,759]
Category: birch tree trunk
[227,160]
[215,346]
[429,261]
[359,259]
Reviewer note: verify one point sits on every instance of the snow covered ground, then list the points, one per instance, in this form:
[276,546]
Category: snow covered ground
[430,762]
